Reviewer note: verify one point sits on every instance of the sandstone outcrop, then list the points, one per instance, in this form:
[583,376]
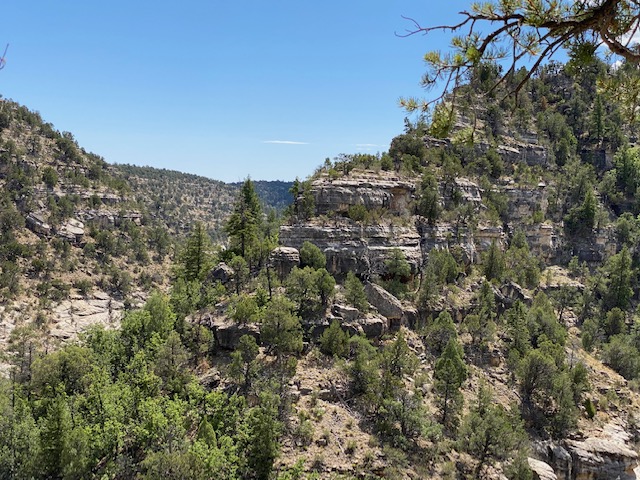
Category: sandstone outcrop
[541,470]
[600,459]
[363,248]
[72,316]
[283,259]
[384,302]
[373,190]
[606,454]
[349,246]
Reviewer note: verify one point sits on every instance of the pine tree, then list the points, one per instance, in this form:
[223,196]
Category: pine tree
[429,199]
[489,433]
[244,366]
[449,375]
[494,262]
[281,329]
[334,341]
[440,332]
[619,272]
[244,224]
[312,256]
[355,293]
[197,256]
[397,360]
[399,271]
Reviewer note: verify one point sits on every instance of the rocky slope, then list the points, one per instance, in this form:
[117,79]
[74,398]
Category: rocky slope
[599,448]
[82,240]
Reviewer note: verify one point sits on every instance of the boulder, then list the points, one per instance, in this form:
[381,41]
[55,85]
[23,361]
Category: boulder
[541,470]
[283,259]
[600,459]
[386,304]
[374,326]
[227,333]
[222,273]
[409,317]
[347,313]
[72,230]
[36,223]
[371,326]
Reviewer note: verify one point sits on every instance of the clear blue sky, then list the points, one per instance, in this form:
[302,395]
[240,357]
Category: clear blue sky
[214,88]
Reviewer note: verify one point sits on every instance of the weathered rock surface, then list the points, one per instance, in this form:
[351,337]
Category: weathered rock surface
[361,249]
[72,316]
[222,273]
[523,202]
[523,152]
[386,304]
[595,247]
[541,470]
[605,454]
[544,239]
[373,190]
[227,333]
[283,259]
[345,312]
[350,246]
[601,458]
[71,230]
[371,326]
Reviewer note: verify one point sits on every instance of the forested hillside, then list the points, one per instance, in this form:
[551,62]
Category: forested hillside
[75,245]
[182,199]
[82,240]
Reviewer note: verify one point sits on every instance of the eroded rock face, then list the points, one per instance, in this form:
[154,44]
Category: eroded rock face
[463,190]
[600,459]
[373,190]
[543,239]
[283,259]
[72,316]
[541,470]
[595,247]
[604,455]
[523,202]
[363,249]
[386,304]
[352,247]
[521,152]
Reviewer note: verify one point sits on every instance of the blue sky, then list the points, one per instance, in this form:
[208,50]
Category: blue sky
[220,89]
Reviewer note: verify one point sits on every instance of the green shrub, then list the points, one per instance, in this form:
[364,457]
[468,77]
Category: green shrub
[590,408]
[358,213]
[334,340]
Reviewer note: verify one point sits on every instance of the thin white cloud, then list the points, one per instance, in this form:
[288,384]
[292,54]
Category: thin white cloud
[285,142]
[365,145]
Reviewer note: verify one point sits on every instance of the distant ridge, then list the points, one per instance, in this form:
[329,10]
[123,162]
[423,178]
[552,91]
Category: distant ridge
[181,199]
